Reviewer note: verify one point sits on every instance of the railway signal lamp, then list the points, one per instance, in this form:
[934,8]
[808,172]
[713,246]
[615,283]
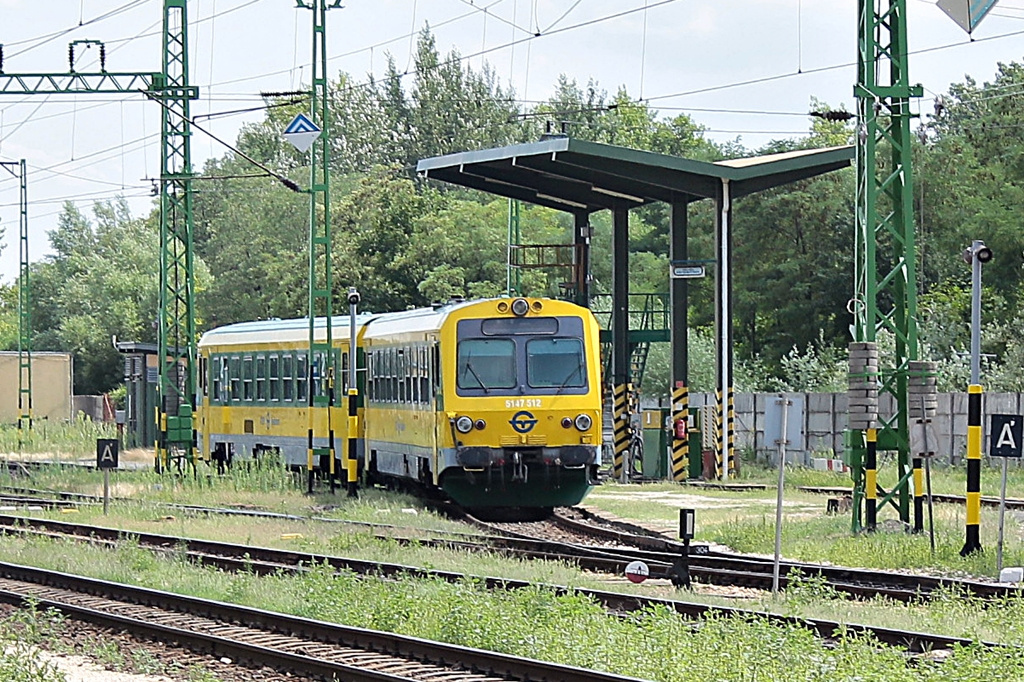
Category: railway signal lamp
[687,523]
[976,254]
[687,529]
[977,251]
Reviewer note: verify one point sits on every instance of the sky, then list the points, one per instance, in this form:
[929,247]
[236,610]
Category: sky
[744,69]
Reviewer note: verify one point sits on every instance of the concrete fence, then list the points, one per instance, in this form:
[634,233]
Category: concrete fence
[824,420]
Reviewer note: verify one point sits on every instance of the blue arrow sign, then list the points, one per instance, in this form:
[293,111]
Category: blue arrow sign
[301,124]
[301,132]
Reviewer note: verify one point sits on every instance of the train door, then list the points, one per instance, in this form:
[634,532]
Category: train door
[436,393]
[203,403]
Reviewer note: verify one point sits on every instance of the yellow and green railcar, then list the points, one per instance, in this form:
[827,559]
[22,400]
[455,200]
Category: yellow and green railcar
[497,403]
[253,390]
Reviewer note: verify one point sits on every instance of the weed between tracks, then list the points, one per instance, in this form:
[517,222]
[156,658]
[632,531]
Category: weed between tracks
[745,522]
[538,623]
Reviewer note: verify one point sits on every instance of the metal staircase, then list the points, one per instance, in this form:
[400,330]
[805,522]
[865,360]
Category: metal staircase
[648,322]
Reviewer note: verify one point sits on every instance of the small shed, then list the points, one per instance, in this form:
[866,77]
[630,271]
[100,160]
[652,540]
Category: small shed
[141,376]
[52,374]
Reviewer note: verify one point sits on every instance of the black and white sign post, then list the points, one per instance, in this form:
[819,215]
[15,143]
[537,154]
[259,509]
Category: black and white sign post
[106,459]
[1005,435]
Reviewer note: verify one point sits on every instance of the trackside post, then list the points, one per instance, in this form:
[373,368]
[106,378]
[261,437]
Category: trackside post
[687,529]
[352,465]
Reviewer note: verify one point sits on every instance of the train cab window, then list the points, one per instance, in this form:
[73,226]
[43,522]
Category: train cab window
[301,376]
[247,388]
[555,363]
[261,379]
[235,370]
[486,363]
[287,377]
[273,377]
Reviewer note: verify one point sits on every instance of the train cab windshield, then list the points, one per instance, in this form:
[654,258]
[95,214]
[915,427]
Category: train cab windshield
[514,356]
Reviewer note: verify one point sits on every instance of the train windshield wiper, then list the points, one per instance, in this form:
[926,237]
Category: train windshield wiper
[565,382]
[469,366]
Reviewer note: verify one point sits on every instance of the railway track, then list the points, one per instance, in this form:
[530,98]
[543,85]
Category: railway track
[578,529]
[267,561]
[942,498]
[287,643]
[593,543]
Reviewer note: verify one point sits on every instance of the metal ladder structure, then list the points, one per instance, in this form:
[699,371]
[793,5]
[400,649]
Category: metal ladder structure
[649,323]
[24,304]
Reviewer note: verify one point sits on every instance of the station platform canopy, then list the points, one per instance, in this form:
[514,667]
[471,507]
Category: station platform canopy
[579,176]
[582,178]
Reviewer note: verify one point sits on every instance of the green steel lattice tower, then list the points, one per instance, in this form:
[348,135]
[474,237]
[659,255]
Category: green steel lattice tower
[177,328]
[176,323]
[321,369]
[24,311]
[24,304]
[885,253]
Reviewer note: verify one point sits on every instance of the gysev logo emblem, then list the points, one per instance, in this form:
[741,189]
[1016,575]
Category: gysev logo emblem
[523,421]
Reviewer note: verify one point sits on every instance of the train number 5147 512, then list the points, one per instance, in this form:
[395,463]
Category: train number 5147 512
[523,402]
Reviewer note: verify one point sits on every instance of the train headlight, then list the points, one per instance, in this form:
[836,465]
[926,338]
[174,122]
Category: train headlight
[464,424]
[520,307]
[566,422]
[583,422]
[480,425]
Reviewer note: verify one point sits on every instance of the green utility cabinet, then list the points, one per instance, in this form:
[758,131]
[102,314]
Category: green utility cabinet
[656,445]
[141,373]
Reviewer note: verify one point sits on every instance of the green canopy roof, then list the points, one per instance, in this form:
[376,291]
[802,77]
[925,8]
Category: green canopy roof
[574,175]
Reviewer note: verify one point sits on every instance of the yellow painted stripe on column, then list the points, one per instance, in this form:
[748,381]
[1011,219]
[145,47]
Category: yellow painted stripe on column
[621,437]
[974,442]
[871,475]
[718,434]
[973,509]
[731,433]
[680,446]
[918,482]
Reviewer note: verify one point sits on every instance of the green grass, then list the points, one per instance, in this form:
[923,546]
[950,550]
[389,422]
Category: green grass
[745,522]
[59,440]
[538,623]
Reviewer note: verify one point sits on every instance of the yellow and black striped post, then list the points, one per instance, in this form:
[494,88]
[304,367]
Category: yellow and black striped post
[972,543]
[918,495]
[352,465]
[680,446]
[620,396]
[719,435]
[871,480]
[730,426]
